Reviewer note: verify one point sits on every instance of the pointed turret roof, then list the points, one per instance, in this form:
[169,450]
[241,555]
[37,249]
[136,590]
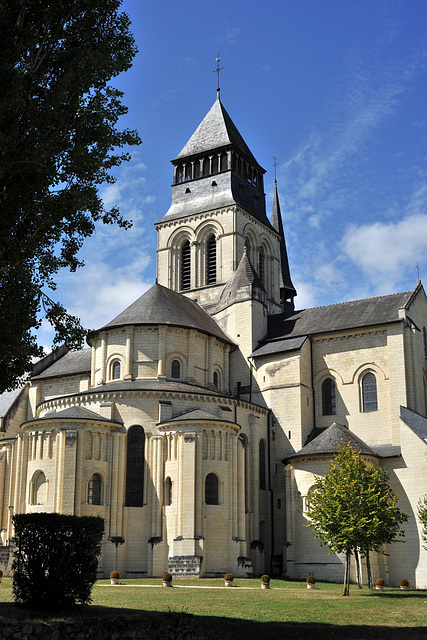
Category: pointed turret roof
[243,284]
[276,221]
[162,306]
[215,131]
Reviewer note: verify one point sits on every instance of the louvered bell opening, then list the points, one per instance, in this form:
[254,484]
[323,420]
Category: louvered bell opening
[211,261]
[185,266]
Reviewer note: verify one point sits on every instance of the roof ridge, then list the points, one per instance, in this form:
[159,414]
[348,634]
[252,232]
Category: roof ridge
[337,304]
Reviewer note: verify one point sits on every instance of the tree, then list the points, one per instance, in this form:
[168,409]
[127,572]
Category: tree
[56,559]
[58,143]
[353,508]
[422,516]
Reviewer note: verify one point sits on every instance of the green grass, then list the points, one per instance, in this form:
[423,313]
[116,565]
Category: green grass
[245,610]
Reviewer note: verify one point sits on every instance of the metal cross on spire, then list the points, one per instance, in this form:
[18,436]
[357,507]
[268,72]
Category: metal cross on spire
[275,163]
[217,70]
[418,272]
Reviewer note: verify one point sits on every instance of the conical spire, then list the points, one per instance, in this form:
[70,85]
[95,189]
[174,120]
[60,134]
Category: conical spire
[287,289]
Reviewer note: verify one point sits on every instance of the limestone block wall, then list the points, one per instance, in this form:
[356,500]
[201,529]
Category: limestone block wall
[415,333]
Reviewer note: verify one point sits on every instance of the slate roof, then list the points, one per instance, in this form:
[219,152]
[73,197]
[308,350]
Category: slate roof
[162,306]
[215,131]
[328,441]
[75,413]
[7,400]
[279,346]
[72,363]
[346,315]
[242,285]
[195,414]
[150,385]
[417,423]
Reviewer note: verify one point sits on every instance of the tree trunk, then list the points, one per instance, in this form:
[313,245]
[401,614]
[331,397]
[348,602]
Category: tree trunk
[368,570]
[358,568]
[346,590]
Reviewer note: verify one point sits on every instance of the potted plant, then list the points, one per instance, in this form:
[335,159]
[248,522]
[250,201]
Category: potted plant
[114,577]
[167,580]
[311,582]
[265,582]
[379,583]
[404,584]
[228,579]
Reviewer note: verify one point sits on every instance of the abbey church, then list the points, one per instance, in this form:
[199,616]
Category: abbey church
[196,421]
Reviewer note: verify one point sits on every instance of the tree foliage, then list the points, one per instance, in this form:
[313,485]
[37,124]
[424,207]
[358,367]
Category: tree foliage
[422,516]
[56,559]
[58,143]
[353,507]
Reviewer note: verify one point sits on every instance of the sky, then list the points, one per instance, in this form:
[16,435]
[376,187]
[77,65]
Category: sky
[336,90]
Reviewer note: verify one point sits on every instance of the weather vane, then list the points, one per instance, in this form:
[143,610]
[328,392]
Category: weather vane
[217,70]
[275,165]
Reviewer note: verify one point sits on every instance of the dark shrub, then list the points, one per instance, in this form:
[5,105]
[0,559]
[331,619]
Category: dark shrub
[56,559]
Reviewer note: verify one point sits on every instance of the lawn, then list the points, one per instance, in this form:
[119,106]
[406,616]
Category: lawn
[245,610]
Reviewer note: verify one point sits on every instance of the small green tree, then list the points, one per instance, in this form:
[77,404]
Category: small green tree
[353,508]
[56,559]
[422,515]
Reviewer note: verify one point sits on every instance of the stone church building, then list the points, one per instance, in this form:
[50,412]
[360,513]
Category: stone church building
[196,421]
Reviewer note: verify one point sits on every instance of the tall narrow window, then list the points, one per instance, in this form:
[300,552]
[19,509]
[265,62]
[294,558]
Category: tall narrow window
[115,370]
[39,489]
[262,465]
[185,265]
[329,397]
[244,442]
[196,169]
[262,265]
[168,492]
[135,467]
[94,489]
[248,248]
[369,392]
[211,260]
[180,173]
[211,489]
[206,166]
[425,342]
[175,369]
[224,162]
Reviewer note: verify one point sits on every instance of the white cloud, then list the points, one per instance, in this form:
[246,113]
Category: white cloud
[386,252]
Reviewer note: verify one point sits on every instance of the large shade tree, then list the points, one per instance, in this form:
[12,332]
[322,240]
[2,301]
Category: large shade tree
[353,508]
[58,142]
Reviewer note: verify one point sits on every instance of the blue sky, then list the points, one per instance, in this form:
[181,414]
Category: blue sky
[335,89]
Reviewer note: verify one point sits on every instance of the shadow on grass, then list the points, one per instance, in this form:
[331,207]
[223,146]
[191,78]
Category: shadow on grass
[151,624]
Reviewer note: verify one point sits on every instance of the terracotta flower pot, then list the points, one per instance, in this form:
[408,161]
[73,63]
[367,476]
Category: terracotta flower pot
[114,581]
[265,585]
[379,587]
[228,583]
[167,584]
[310,585]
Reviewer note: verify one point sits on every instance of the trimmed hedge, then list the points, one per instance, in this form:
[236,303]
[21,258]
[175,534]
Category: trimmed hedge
[56,559]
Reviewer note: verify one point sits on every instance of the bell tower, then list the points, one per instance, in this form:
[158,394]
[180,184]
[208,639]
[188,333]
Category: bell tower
[217,209]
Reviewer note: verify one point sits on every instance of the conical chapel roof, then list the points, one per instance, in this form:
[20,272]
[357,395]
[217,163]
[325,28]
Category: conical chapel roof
[162,306]
[276,221]
[215,131]
[329,440]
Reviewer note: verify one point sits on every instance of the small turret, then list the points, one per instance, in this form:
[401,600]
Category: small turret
[287,289]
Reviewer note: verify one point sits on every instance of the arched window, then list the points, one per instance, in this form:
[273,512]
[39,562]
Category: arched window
[206,166]
[329,397]
[135,467]
[211,489]
[115,370]
[214,164]
[185,265]
[211,260]
[188,171]
[168,492]
[262,265]
[224,162]
[94,490]
[180,173]
[369,393]
[175,369]
[248,248]
[216,379]
[197,169]
[262,465]
[40,489]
